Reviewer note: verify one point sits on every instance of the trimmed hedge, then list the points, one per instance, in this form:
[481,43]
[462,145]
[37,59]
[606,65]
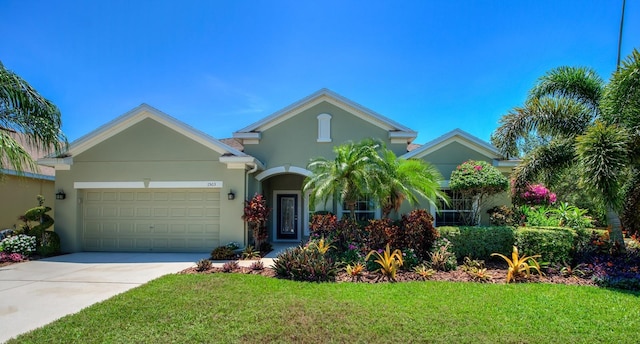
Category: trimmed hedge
[479,242]
[553,244]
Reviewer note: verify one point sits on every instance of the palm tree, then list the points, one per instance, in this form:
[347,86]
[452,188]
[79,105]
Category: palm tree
[351,175]
[25,111]
[591,125]
[407,179]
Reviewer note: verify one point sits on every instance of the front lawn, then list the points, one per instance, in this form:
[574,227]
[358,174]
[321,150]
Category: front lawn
[238,308]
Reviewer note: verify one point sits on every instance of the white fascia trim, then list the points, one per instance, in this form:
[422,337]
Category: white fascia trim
[332,98]
[63,164]
[456,135]
[245,136]
[27,174]
[151,185]
[243,161]
[138,114]
[282,170]
[506,163]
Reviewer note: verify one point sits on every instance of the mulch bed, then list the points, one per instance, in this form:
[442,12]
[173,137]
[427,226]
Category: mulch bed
[498,276]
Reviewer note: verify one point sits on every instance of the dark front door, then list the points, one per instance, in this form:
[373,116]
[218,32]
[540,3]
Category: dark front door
[287,222]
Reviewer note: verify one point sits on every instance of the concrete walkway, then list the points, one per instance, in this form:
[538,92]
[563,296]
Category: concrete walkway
[35,293]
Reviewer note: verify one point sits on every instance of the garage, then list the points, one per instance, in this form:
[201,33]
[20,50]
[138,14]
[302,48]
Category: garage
[151,220]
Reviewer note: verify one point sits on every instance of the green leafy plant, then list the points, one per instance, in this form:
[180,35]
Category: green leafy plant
[47,242]
[230,266]
[442,258]
[203,265]
[476,270]
[305,264]
[21,243]
[424,271]
[554,243]
[250,253]
[355,271]
[388,262]
[417,232]
[479,242]
[222,253]
[519,266]
[321,245]
[580,270]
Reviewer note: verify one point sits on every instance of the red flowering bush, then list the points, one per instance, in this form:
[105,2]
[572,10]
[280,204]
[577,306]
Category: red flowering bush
[537,194]
[256,214]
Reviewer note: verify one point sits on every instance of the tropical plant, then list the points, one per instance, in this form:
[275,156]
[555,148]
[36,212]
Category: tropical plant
[250,253]
[323,246]
[230,266]
[519,266]
[25,111]
[590,125]
[256,214]
[222,253]
[350,176]
[407,179]
[36,222]
[388,262]
[476,270]
[203,265]
[355,271]
[424,271]
[305,264]
[257,265]
[442,258]
[476,181]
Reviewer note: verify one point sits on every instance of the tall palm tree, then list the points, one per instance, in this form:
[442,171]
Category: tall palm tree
[407,179]
[351,175]
[25,111]
[591,125]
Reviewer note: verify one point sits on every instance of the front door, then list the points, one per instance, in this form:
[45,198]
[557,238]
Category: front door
[287,222]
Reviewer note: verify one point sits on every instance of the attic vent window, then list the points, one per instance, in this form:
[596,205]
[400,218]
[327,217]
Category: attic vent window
[324,127]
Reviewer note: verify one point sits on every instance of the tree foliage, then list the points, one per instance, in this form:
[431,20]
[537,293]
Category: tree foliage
[25,111]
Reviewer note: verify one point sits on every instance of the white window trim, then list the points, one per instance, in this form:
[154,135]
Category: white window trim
[324,127]
[377,212]
[434,212]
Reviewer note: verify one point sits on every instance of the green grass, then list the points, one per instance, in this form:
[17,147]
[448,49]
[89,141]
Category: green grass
[235,308]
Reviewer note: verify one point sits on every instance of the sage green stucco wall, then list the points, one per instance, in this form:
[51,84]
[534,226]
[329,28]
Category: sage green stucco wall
[147,150]
[447,158]
[294,141]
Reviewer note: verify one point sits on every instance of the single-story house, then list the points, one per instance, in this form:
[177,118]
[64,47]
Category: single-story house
[20,190]
[148,182]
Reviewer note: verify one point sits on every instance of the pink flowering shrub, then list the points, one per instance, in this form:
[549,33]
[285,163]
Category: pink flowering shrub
[537,194]
[11,257]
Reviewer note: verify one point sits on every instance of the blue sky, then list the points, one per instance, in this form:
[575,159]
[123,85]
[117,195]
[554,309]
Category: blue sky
[222,65]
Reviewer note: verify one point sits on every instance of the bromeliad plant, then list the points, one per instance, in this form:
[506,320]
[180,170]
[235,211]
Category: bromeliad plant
[388,261]
[355,271]
[323,246]
[519,267]
[424,271]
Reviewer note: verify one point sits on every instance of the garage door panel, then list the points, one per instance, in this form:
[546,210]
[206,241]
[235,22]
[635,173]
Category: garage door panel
[144,220]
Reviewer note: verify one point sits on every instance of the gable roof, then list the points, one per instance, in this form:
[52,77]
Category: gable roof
[456,135]
[138,114]
[396,130]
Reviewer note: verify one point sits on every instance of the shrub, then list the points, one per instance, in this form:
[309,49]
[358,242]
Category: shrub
[11,257]
[477,180]
[256,214]
[417,232]
[351,255]
[553,244]
[203,265]
[502,216]
[323,225]
[441,257]
[257,266]
[539,216]
[250,253]
[222,253]
[380,233]
[21,243]
[230,266]
[266,247]
[537,194]
[410,259]
[620,271]
[479,242]
[305,264]
[50,245]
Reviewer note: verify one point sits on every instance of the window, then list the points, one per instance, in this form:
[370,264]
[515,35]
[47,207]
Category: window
[457,213]
[365,209]
[324,127]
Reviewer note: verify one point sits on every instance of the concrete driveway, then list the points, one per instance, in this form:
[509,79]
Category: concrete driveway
[35,293]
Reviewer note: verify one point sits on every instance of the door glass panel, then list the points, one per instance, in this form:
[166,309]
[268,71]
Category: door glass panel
[287,215]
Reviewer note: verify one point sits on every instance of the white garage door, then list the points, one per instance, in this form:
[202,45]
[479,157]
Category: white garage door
[161,220]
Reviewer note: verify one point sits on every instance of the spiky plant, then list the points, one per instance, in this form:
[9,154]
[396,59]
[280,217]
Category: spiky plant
[388,261]
[519,267]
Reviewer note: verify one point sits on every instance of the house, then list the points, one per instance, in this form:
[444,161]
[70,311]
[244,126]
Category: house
[148,182]
[19,190]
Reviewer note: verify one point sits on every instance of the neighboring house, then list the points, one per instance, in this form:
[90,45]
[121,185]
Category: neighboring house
[20,190]
[148,182]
